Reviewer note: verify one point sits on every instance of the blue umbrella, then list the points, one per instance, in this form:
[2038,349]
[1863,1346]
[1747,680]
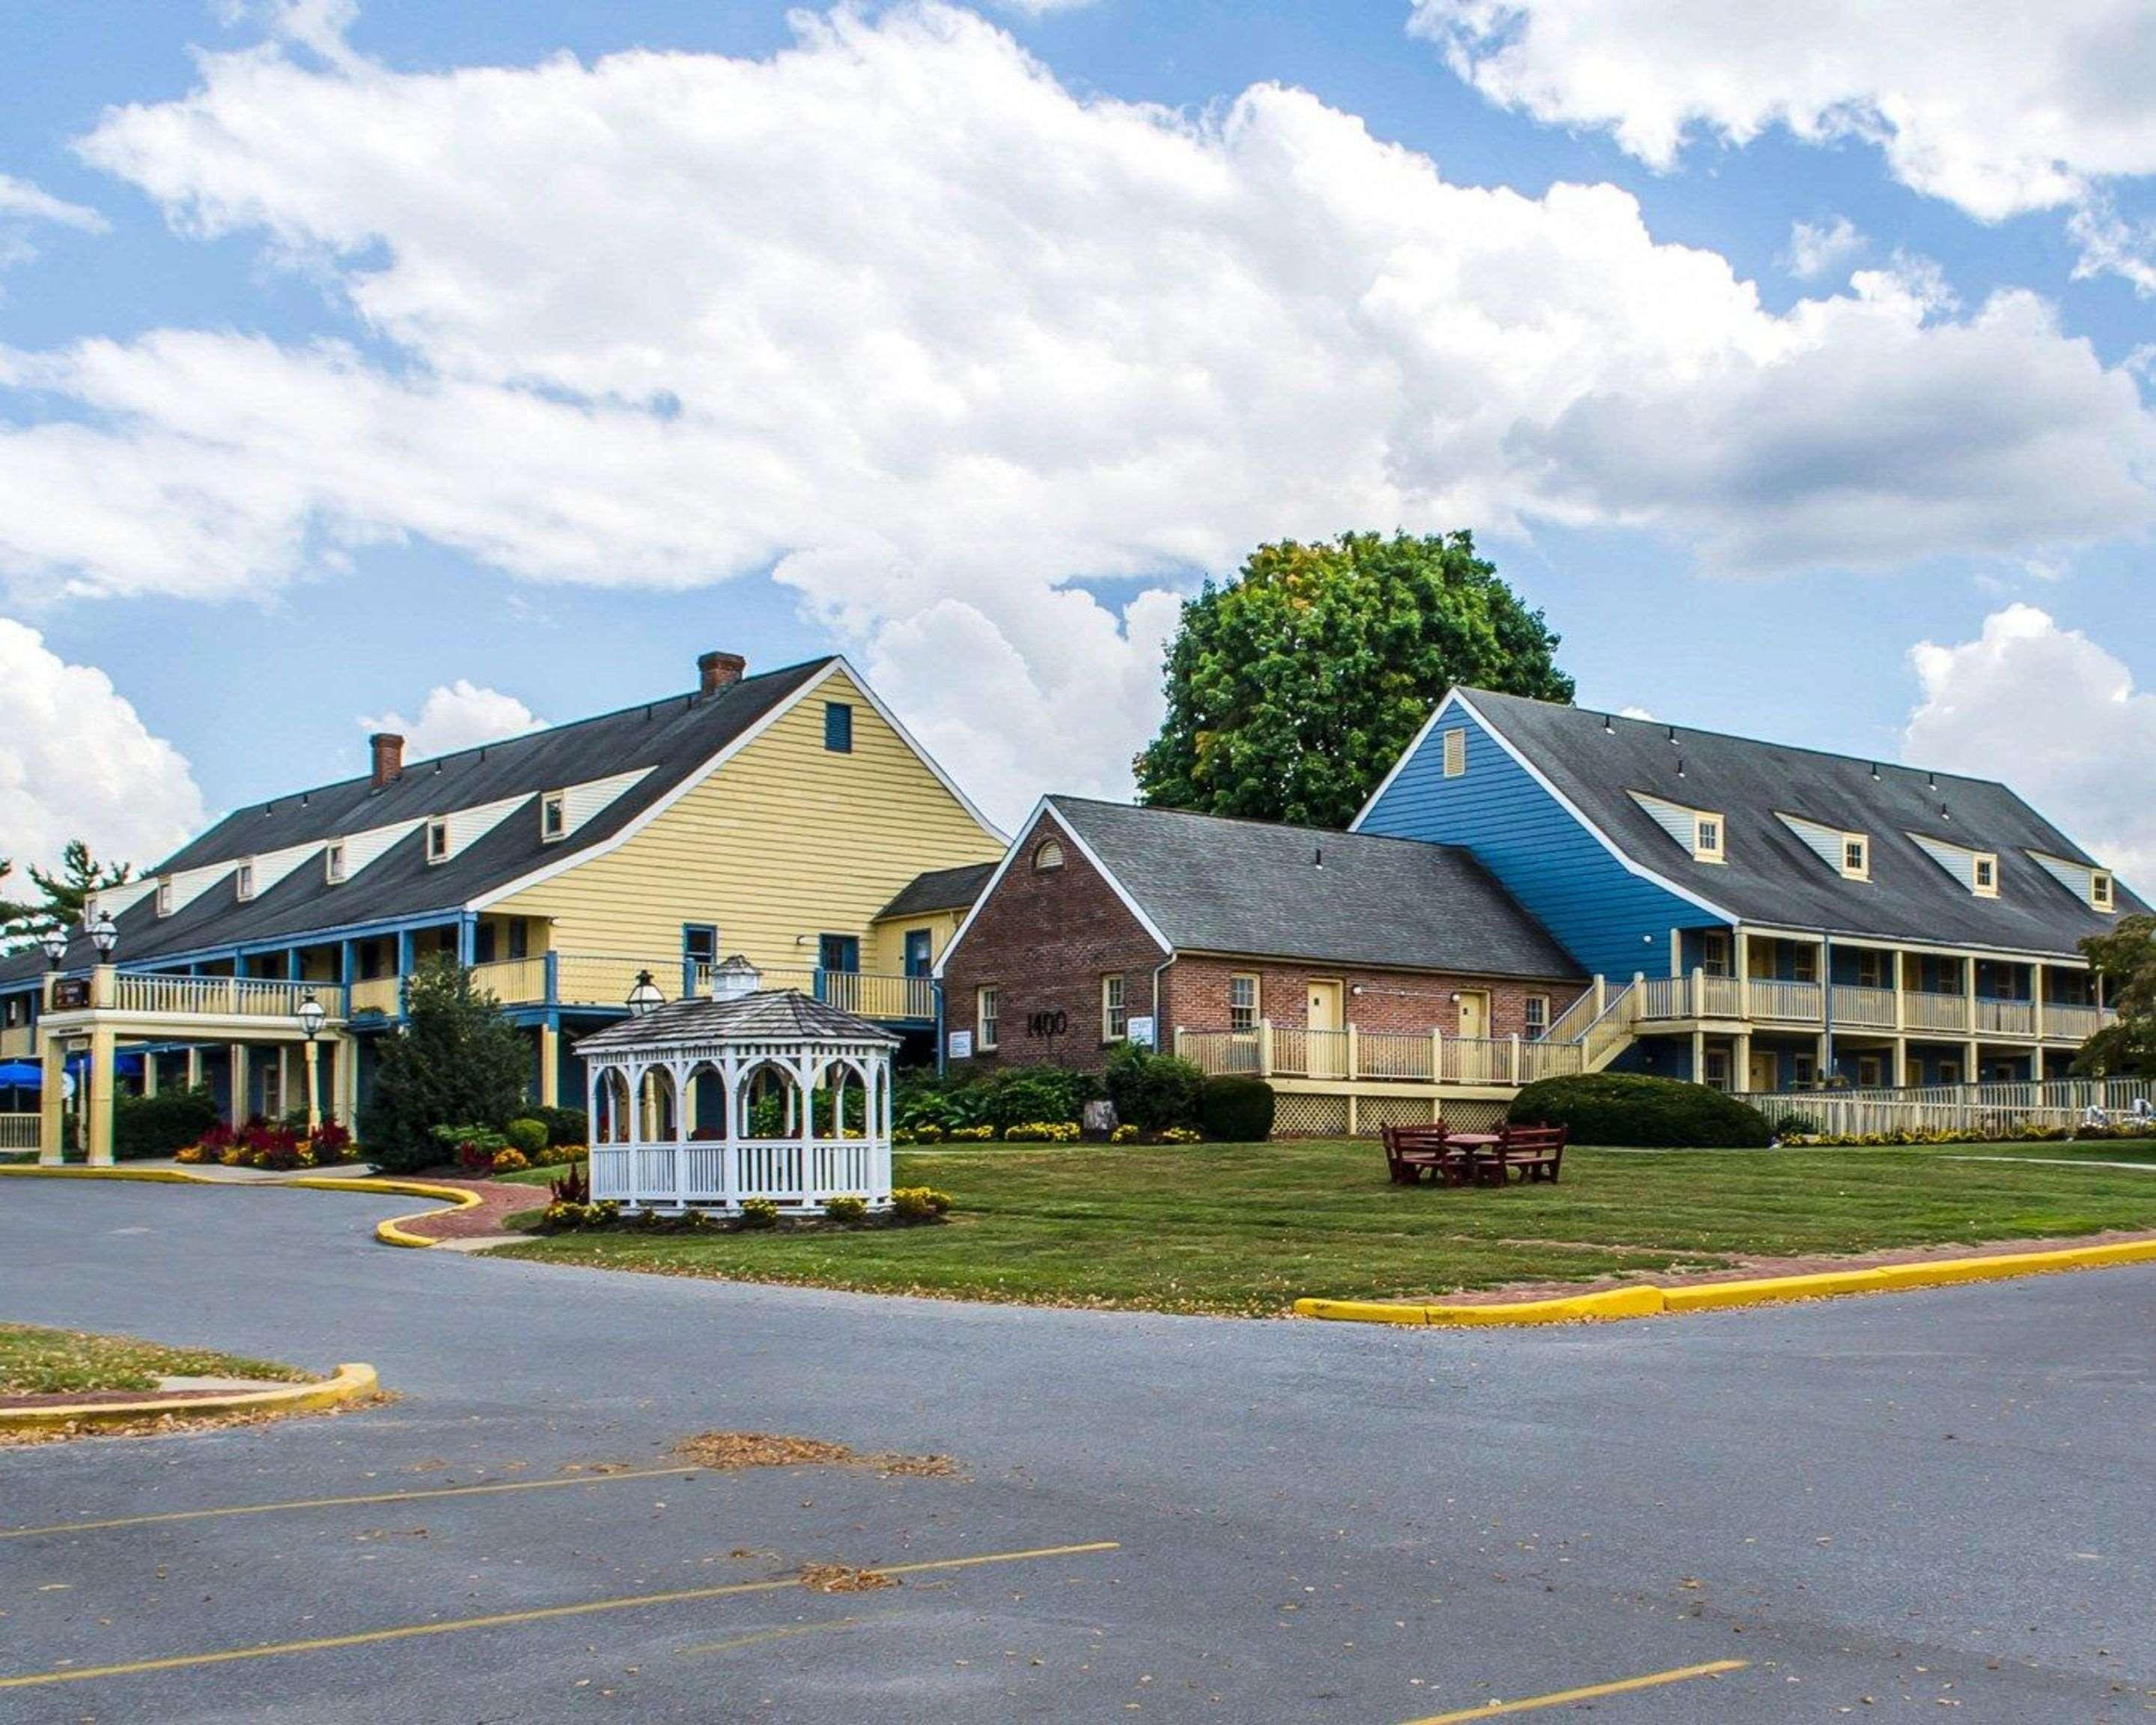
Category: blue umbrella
[22,1074]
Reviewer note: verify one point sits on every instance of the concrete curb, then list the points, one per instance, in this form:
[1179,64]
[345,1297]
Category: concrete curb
[352,1379]
[389,1233]
[1616,1303]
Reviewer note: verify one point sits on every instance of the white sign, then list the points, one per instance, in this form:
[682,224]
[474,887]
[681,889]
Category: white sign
[1139,1029]
[961,1044]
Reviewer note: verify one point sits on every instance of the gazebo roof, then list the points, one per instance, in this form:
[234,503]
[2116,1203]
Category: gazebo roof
[769,1015]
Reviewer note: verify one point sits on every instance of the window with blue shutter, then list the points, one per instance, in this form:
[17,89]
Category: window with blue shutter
[838,727]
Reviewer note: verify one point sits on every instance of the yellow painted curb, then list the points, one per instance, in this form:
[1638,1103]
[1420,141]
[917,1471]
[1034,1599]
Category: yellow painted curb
[389,1233]
[350,1380]
[455,1198]
[44,1171]
[1651,1301]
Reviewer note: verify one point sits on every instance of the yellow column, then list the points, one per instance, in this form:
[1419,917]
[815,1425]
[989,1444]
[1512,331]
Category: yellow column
[238,1066]
[1740,1062]
[1698,1061]
[101,1077]
[194,1066]
[149,1073]
[1901,1059]
[549,1066]
[52,1103]
[314,1086]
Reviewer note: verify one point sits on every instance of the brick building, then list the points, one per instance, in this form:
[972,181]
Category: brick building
[1315,954]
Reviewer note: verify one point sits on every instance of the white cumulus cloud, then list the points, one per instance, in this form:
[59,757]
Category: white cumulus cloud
[2055,714]
[21,200]
[1998,105]
[461,715]
[76,762]
[1819,248]
[894,315]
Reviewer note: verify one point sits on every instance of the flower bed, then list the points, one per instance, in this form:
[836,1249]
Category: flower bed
[283,1149]
[910,1207]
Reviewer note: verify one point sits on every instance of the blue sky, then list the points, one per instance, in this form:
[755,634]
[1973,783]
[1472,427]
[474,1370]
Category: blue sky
[339,379]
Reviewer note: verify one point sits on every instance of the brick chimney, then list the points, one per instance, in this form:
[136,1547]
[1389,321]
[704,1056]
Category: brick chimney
[718,671]
[388,758]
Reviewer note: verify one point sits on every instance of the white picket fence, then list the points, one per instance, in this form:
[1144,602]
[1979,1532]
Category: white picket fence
[1956,1107]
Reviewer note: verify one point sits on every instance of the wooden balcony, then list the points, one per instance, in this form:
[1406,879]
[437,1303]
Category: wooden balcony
[154,1000]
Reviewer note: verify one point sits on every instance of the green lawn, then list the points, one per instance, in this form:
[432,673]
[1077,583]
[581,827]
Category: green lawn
[41,1361]
[1243,1228]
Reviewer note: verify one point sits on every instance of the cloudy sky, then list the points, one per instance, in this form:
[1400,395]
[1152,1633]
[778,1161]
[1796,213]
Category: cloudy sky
[460,368]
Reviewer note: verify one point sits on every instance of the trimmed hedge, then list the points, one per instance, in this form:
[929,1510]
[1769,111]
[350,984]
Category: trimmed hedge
[1235,1109]
[1631,1108]
[1154,1092]
[159,1124]
[564,1126]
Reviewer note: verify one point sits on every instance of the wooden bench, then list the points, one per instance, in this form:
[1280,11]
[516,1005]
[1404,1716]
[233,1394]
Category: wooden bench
[1413,1151]
[1538,1152]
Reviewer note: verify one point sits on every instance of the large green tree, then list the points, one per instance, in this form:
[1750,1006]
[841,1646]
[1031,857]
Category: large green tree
[2126,960]
[458,1062]
[1293,688]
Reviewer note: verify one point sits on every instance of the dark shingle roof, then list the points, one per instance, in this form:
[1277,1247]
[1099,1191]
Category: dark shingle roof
[1212,884]
[939,890]
[769,1015]
[1771,875]
[671,737]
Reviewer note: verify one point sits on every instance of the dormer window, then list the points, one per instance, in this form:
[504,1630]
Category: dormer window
[553,816]
[243,880]
[1983,875]
[1047,856]
[2101,894]
[333,863]
[1856,857]
[164,898]
[1706,838]
[438,841]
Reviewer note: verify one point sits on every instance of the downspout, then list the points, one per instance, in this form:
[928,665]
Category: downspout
[936,992]
[1157,971]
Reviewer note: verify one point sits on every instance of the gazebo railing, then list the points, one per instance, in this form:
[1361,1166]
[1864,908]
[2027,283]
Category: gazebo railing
[710,1171]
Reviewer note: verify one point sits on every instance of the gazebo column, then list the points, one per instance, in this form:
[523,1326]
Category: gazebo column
[805,1068]
[730,1139]
[679,1069]
[635,1111]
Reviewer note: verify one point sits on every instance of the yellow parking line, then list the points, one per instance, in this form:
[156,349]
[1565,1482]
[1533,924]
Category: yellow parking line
[264,1509]
[501,1619]
[771,1635]
[1593,1691]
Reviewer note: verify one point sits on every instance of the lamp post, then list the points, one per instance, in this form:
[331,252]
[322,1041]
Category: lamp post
[311,1016]
[105,935]
[55,943]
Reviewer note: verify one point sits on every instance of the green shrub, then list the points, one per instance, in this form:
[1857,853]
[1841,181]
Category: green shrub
[847,1210]
[1026,1094]
[1154,1092]
[919,1203]
[162,1124]
[1041,1131]
[758,1213]
[528,1136]
[1631,1108]
[459,1059]
[1793,1125]
[922,1101]
[1235,1109]
[564,1126]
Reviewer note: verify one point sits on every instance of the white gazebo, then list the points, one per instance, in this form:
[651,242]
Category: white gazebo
[675,1093]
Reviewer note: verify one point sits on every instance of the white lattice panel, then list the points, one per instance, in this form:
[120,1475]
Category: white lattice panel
[1296,1115]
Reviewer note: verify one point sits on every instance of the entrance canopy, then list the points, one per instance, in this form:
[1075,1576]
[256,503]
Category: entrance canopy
[770,1095]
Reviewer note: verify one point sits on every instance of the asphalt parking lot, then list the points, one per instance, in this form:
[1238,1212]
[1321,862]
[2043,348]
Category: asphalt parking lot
[1935,1501]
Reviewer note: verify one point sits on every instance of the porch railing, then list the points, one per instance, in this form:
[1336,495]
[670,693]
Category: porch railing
[870,993]
[1270,1050]
[19,1132]
[154,994]
[1956,1107]
[1863,1007]
[1923,1011]
[2005,1017]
